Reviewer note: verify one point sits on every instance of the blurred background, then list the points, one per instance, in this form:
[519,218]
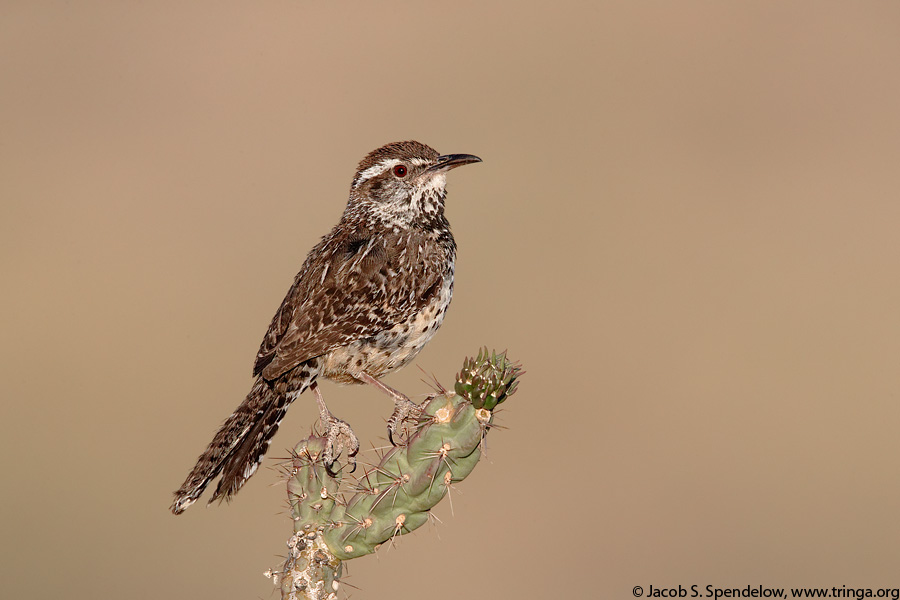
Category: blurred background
[685,227]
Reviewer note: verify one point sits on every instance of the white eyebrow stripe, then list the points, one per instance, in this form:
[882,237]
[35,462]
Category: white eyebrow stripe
[375,170]
[418,161]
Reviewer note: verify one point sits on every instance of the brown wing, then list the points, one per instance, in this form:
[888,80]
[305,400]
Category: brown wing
[292,302]
[357,292]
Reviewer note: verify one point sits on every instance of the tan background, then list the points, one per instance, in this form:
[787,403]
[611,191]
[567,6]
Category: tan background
[685,226]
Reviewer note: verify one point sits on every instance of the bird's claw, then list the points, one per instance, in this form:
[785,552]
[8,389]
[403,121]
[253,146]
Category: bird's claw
[404,410]
[338,436]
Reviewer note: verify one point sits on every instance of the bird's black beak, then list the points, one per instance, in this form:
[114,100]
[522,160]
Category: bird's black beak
[451,161]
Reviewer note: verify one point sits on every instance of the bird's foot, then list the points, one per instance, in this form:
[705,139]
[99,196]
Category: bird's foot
[338,435]
[405,411]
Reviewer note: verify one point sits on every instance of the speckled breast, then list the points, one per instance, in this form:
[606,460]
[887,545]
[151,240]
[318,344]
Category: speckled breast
[392,348]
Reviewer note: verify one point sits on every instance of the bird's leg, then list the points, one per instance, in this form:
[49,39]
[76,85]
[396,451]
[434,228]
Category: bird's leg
[335,431]
[404,408]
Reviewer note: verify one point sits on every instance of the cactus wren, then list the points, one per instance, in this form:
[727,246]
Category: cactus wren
[368,297]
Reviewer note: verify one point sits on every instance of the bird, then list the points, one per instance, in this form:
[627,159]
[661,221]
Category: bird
[366,300]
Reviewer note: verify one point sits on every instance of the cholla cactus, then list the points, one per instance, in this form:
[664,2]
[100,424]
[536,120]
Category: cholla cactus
[393,497]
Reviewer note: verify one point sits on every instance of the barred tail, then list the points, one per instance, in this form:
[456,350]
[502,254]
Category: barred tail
[237,448]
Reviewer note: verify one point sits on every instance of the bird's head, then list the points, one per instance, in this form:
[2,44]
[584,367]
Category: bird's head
[403,182]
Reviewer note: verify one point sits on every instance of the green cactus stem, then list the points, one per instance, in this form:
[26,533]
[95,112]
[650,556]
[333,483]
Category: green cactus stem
[393,497]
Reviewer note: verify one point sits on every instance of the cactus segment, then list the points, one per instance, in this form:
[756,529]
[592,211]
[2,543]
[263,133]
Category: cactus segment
[395,496]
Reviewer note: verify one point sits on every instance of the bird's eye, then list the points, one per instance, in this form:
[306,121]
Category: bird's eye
[400,170]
